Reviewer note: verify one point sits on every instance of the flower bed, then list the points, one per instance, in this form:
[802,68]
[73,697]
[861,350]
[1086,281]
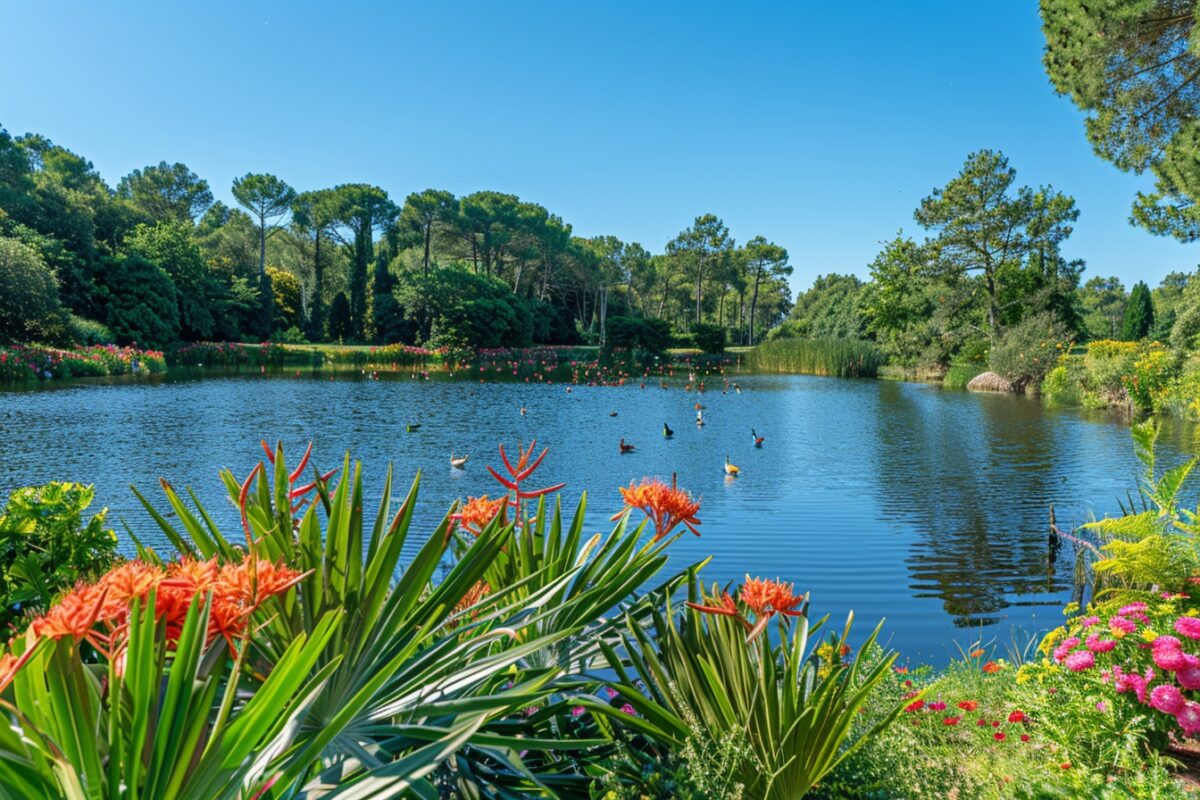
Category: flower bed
[23,363]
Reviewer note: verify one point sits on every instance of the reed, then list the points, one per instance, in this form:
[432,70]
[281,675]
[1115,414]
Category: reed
[841,358]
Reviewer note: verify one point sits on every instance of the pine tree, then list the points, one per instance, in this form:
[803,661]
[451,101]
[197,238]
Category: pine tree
[1139,314]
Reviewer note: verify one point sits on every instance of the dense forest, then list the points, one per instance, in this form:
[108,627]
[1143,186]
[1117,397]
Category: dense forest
[157,261]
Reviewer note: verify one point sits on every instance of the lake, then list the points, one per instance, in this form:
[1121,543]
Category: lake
[899,500]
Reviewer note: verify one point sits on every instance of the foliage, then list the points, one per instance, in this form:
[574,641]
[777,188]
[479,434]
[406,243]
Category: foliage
[141,302]
[166,192]
[959,375]
[1103,301]
[170,245]
[29,305]
[633,333]
[46,546]
[827,310]
[89,331]
[456,308]
[1029,350]
[716,670]
[842,358]
[709,338]
[1139,314]
[21,363]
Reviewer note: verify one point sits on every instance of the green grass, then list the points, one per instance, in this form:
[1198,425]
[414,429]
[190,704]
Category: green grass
[841,358]
[959,375]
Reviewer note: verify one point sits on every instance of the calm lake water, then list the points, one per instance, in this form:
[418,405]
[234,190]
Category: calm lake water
[896,500]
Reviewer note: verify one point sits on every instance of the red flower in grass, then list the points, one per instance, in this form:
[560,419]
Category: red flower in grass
[765,598]
[478,513]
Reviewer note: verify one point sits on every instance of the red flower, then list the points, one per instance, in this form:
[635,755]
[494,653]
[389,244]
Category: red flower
[916,705]
[1016,716]
[951,720]
[999,737]
[666,506]
[1024,737]
[968,705]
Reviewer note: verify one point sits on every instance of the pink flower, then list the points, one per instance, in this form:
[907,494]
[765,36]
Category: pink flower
[1188,626]
[1080,660]
[1166,641]
[1167,699]
[628,709]
[1101,706]
[1168,658]
[939,706]
[1120,625]
[578,711]
[1188,717]
[1188,675]
[1098,645]
[1133,608]
[1088,622]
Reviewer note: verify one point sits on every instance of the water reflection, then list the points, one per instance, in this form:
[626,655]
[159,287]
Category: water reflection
[929,508]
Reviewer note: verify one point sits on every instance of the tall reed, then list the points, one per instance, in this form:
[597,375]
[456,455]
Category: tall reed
[841,358]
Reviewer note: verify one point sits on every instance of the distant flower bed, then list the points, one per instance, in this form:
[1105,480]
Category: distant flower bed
[20,363]
[227,354]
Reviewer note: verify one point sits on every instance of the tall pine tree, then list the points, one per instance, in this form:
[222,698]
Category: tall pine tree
[1139,314]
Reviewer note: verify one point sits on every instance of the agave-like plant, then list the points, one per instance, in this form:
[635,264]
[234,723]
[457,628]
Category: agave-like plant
[425,662]
[164,712]
[713,669]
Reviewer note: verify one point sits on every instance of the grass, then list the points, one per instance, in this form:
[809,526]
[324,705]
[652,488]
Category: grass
[841,358]
[959,375]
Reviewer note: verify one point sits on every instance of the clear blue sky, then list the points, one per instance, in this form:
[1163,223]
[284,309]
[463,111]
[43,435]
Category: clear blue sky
[819,127]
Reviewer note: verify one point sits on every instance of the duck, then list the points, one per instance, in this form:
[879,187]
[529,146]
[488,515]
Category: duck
[667,432]
[758,440]
[522,411]
[412,427]
[625,447]
[458,463]
[612,413]
[731,470]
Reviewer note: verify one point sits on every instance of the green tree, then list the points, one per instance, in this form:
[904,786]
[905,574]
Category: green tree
[268,199]
[142,308]
[172,247]
[1103,301]
[422,212]
[287,302]
[29,304]
[697,247]
[829,309]
[167,192]
[981,228]
[315,215]
[1139,314]
[764,260]
[361,210]
[341,325]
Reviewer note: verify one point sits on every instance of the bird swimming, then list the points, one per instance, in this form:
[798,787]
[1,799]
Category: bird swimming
[458,463]
[758,440]
[667,432]
[625,447]
[730,469]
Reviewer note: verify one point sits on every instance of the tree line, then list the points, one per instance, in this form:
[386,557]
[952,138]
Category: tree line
[157,260]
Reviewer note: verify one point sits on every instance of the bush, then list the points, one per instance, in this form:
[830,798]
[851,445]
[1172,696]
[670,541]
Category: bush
[142,307]
[89,331]
[1029,350]
[710,338]
[46,547]
[456,308]
[636,333]
[292,335]
[29,304]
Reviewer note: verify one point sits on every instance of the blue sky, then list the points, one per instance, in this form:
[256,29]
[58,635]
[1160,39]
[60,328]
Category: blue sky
[819,127]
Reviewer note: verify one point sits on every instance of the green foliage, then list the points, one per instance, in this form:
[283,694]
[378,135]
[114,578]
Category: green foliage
[29,304]
[286,294]
[172,247]
[457,308]
[1103,301]
[141,302]
[827,310]
[166,193]
[46,546]
[340,325]
[89,331]
[702,675]
[842,358]
[1029,350]
[634,333]
[1139,314]
[709,338]
[959,375]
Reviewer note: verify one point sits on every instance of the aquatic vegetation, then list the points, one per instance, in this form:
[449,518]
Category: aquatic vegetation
[841,358]
[19,363]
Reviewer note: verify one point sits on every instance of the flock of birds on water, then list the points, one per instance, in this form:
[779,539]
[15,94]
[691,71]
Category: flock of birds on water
[624,447]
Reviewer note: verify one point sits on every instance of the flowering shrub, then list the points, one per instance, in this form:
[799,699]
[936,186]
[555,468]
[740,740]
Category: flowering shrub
[29,363]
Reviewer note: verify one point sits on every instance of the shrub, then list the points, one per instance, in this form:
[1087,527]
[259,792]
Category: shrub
[636,333]
[292,335]
[710,338]
[89,331]
[29,304]
[1029,350]
[141,303]
[46,546]
[1108,363]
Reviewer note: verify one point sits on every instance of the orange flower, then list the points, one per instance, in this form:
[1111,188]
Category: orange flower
[666,506]
[977,653]
[480,590]
[768,597]
[727,608]
[74,615]
[125,583]
[11,664]
[478,512]
[992,667]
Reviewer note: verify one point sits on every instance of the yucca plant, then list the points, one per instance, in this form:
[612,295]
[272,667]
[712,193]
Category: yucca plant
[714,670]
[421,660]
[160,709]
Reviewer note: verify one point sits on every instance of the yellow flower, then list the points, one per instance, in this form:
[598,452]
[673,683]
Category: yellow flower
[1117,633]
[1149,635]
